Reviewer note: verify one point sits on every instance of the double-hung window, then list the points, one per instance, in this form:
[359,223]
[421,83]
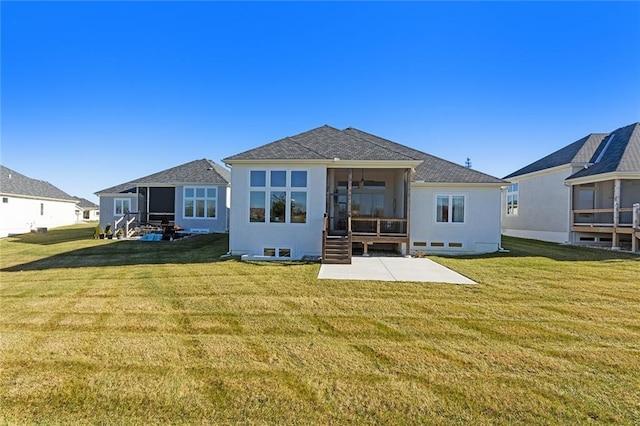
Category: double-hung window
[450,208]
[512,199]
[285,192]
[122,206]
[200,202]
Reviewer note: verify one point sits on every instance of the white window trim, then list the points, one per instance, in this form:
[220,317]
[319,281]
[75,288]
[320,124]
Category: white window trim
[511,192]
[450,212]
[268,189]
[277,254]
[115,203]
[206,198]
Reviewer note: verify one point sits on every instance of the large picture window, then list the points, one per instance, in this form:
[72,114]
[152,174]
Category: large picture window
[450,208]
[286,194]
[200,202]
[512,199]
[122,206]
[367,199]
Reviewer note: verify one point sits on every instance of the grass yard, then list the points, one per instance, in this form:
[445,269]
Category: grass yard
[109,332]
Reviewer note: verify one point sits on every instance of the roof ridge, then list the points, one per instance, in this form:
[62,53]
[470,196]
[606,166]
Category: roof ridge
[299,143]
[216,168]
[379,145]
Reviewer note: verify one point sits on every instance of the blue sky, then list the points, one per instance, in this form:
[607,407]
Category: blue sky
[97,93]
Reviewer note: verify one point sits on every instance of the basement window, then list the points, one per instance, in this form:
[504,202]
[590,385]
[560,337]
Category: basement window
[276,252]
[455,244]
[419,244]
[284,252]
[437,244]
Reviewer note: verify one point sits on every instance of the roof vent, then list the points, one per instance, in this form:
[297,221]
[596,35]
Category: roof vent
[604,149]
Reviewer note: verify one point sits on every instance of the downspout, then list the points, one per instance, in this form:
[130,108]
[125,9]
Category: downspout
[500,248]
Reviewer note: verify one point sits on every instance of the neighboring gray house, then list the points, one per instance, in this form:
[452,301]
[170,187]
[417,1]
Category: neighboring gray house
[29,204]
[583,193]
[330,192]
[86,210]
[194,196]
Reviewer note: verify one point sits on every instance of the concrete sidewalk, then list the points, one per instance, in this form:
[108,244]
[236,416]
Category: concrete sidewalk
[393,269]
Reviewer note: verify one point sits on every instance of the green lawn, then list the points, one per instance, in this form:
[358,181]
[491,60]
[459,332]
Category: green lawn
[109,332]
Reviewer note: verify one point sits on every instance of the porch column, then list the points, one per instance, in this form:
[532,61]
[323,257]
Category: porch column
[327,207]
[635,227]
[349,189]
[407,182]
[616,213]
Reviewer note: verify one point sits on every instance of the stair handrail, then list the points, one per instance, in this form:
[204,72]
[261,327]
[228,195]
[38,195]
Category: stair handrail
[128,218]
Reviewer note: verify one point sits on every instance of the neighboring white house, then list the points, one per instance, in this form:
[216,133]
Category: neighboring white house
[86,210]
[583,193]
[330,192]
[29,204]
[193,196]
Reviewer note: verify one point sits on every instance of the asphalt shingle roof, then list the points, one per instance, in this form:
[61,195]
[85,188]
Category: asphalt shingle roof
[195,172]
[621,154]
[432,168]
[14,183]
[85,204]
[327,143]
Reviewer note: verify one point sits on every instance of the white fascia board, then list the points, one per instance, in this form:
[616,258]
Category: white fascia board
[176,184]
[419,184]
[603,177]
[336,163]
[374,164]
[118,194]
[543,172]
[276,162]
[33,197]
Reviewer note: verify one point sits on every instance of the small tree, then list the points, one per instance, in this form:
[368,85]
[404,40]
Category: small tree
[97,232]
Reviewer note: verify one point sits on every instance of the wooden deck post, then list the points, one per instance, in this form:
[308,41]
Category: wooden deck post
[635,236]
[407,180]
[349,191]
[616,213]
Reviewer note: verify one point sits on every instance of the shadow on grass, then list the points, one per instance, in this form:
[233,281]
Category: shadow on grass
[209,247]
[195,249]
[64,234]
[520,247]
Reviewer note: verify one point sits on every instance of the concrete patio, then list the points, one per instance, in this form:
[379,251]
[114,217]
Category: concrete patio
[393,269]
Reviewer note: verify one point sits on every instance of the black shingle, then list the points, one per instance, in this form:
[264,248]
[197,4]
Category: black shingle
[327,143]
[622,154]
[14,183]
[195,172]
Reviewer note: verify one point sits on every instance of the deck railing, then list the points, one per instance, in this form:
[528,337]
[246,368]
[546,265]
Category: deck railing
[379,227]
[128,219]
[602,217]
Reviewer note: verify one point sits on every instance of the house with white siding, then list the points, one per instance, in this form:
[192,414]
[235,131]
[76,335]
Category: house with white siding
[31,204]
[86,210]
[193,196]
[332,193]
[586,193]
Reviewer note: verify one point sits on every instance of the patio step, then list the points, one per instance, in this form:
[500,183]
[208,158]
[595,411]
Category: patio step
[336,250]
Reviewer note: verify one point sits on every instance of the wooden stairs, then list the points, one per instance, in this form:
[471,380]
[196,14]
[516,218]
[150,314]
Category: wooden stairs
[337,250]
